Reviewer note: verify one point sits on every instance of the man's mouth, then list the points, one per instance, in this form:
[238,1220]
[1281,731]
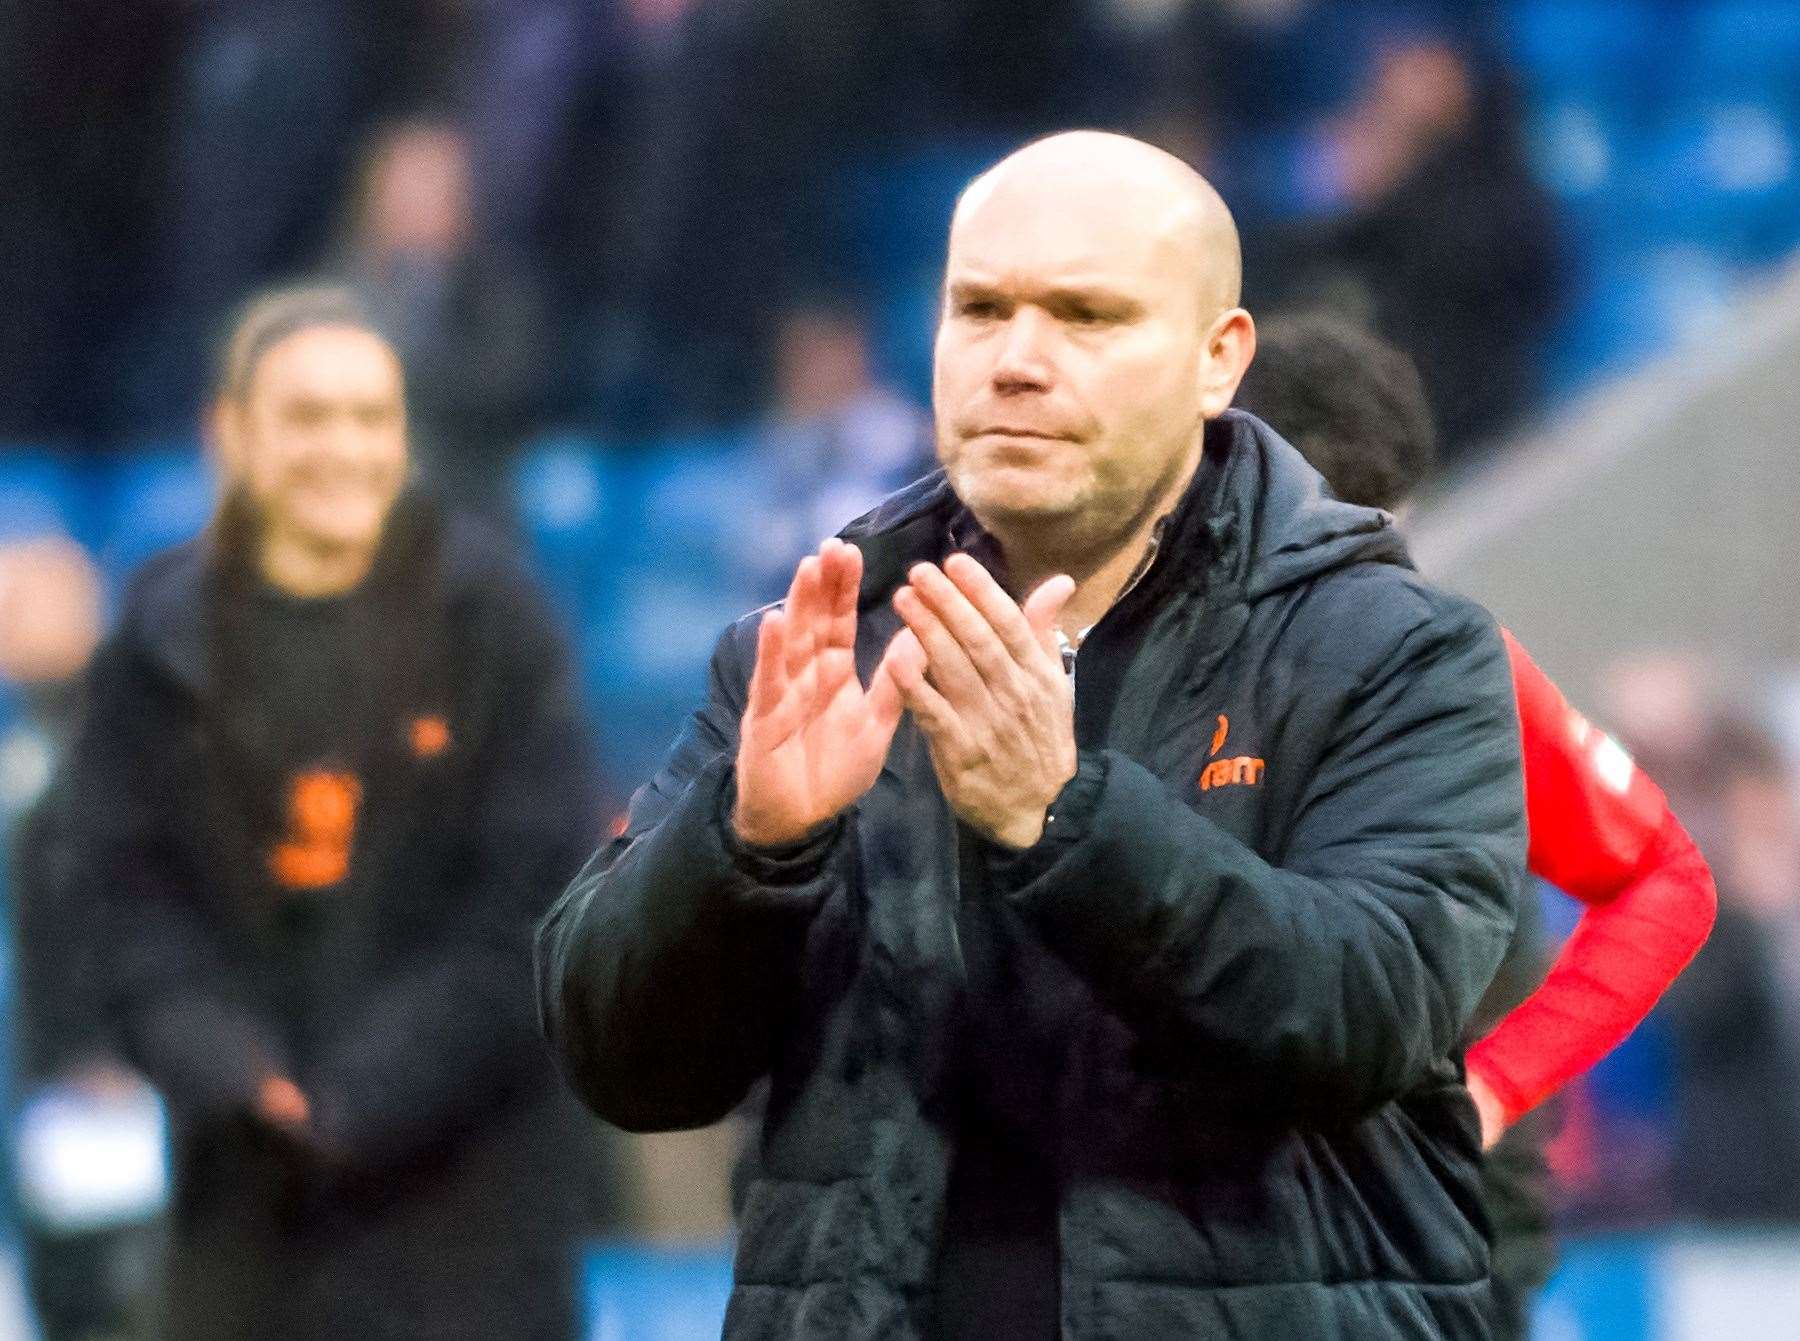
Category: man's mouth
[1008,431]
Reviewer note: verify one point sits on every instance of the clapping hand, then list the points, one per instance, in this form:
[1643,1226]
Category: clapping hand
[812,739]
[984,680]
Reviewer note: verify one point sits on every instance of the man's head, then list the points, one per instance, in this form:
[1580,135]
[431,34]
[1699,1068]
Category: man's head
[310,420]
[1090,327]
[49,610]
[1351,402]
[416,198]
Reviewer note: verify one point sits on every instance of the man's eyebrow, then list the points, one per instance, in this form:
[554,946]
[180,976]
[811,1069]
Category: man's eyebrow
[1100,296]
[1097,294]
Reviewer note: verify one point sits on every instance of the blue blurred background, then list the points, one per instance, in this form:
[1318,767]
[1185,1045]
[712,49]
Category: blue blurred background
[664,275]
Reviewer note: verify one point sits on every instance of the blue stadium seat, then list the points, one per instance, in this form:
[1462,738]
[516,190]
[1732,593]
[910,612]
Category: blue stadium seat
[1724,173]
[902,329]
[898,209]
[159,496]
[43,492]
[1741,48]
[1579,149]
[568,495]
[1597,51]
[649,554]
[1635,303]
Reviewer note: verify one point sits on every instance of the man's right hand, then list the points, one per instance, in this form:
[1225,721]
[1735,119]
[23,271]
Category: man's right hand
[812,739]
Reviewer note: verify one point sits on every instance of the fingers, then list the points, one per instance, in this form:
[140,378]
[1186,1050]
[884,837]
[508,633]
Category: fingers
[841,565]
[936,718]
[801,610]
[769,675]
[1044,607]
[991,602]
[776,702]
[948,661]
[840,574]
[974,635]
[885,701]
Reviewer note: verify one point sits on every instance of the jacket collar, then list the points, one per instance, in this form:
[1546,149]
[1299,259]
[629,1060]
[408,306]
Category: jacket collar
[1256,518]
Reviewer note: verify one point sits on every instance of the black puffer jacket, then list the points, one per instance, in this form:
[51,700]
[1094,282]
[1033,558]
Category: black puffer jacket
[1270,899]
[443,1196]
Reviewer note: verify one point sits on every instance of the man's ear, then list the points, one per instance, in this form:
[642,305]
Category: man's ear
[1230,345]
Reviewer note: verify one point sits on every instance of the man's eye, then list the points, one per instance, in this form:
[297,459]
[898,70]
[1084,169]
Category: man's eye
[981,309]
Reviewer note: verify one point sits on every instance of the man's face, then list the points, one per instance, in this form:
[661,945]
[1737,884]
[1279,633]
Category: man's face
[318,439]
[1069,356]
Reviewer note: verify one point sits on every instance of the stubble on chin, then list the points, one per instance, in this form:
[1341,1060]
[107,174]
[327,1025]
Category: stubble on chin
[1002,494]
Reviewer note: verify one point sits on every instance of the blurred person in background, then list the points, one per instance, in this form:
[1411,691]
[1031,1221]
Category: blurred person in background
[467,323]
[838,441]
[1450,234]
[1601,831]
[259,126]
[90,1251]
[753,121]
[1735,1016]
[1073,1024]
[256,151]
[1381,145]
[333,766]
[1663,705]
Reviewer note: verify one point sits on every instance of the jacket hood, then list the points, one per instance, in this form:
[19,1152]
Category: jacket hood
[1276,523]
[1257,519]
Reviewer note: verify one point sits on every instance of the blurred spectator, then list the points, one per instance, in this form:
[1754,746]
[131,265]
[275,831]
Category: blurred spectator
[1377,156]
[1736,1015]
[526,66]
[269,96]
[757,119]
[262,127]
[333,766]
[467,322]
[837,444]
[1453,239]
[89,1250]
[1661,706]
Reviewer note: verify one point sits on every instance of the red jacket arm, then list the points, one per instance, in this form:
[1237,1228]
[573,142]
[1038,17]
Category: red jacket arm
[1602,832]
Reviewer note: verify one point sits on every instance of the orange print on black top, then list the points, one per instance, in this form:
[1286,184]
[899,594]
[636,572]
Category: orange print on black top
[322,808]
[1242,771]
[429,736]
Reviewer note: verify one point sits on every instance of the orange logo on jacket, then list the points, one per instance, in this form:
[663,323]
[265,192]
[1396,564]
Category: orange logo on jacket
[322,810]
[430,736]
[1240,771]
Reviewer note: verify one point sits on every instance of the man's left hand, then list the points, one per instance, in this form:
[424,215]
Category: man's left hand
[984,680]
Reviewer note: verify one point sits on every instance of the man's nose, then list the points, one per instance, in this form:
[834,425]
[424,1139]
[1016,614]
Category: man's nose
[1024,363]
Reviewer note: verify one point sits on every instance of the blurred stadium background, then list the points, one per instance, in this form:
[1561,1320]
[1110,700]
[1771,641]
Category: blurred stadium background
[664,273]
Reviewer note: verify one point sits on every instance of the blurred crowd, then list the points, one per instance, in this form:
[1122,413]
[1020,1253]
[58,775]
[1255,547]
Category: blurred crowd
[627,215]
[1697,1118]
[638,219]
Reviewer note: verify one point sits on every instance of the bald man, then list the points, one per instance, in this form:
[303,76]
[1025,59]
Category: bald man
[1099,851]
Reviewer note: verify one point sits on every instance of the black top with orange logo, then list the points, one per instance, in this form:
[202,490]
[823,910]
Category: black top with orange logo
[306,689]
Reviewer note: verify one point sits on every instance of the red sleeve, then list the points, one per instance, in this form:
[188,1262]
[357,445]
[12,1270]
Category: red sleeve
[1602,832]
